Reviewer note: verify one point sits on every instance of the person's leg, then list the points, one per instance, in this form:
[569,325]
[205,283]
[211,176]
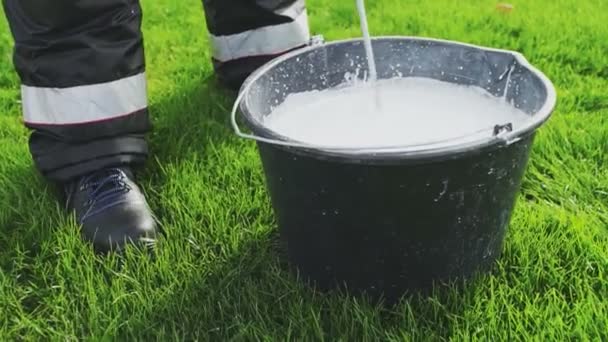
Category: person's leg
[81,64]
[245,34]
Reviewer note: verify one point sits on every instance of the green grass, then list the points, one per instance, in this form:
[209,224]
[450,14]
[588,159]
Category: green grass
[217,276]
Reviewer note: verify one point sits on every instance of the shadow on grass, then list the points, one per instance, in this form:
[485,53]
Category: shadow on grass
[185,126]
[189,121]
[245,289]
[29,226]
[22,229]
[239,289]
[251,295]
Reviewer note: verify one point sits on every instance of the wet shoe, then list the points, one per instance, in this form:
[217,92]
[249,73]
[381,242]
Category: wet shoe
[111,210]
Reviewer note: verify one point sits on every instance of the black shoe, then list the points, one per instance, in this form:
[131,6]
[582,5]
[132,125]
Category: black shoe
[111,210]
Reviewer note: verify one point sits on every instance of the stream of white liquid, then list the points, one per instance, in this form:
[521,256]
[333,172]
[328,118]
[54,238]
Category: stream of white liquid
[373,74]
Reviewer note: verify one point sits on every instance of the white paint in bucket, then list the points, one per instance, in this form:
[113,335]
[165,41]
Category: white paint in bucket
[414,111]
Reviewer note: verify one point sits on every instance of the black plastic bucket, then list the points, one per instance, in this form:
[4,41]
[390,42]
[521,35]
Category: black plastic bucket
[388,221]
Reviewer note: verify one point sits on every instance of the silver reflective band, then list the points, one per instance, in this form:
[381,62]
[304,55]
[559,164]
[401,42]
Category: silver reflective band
[83,104]
[269,40]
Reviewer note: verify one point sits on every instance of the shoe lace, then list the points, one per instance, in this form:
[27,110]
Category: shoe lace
[107,185]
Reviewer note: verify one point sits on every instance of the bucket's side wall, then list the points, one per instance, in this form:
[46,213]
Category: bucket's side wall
[443,61]
[390,228]
[526,91]
[305,72]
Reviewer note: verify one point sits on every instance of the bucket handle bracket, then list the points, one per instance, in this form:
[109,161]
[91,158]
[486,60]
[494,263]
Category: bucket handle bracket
[500,129]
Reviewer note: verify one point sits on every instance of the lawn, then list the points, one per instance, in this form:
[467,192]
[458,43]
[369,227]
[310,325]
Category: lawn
[217,276]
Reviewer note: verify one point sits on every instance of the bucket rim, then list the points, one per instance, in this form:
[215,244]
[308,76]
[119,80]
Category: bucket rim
[431,150]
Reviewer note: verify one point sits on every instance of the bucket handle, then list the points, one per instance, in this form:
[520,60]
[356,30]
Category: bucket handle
[496,131]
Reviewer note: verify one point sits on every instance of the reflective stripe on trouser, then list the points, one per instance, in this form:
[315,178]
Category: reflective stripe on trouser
[245,34]
[81,65]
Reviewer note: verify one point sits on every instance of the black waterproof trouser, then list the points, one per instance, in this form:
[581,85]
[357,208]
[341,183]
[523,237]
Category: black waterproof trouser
[82,69]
